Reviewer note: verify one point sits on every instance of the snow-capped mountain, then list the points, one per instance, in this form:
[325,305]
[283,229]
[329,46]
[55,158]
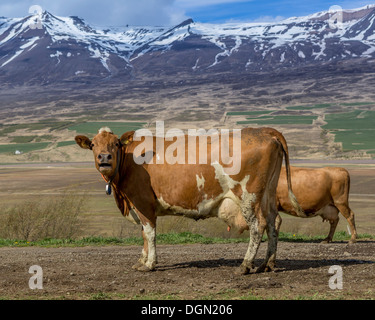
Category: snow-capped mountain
[46,48]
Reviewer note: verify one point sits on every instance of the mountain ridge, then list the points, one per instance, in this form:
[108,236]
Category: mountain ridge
[67,49]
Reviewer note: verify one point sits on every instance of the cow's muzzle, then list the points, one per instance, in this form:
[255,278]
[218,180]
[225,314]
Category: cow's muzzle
[105,161]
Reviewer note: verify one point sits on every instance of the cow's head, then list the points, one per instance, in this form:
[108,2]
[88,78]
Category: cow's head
[105,146]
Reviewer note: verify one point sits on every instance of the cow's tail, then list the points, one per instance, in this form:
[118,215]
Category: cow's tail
[291,195]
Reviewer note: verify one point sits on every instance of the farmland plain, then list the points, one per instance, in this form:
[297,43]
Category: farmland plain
[336,130]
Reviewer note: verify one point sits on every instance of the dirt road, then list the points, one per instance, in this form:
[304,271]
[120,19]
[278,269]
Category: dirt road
[199,271]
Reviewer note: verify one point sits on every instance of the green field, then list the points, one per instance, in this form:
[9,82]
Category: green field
[117,127]
[247,113]
[279,120]
[356,139]
[23,147]
[26,143]
[356,119]
[354,126]
[355,104]
[40,125]
[316,106]
[355,129]
[65,143]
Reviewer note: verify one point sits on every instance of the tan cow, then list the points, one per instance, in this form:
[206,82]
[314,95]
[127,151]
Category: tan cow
[320,192]
[246,200]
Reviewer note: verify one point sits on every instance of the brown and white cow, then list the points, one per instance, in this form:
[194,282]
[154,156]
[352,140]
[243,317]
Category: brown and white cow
[320,192]
[246,200]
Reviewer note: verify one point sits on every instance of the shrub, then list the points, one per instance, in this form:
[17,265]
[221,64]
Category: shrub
[55,217]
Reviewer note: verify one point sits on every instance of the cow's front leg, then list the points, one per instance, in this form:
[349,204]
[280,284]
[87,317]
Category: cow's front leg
[143,259]
[148,259]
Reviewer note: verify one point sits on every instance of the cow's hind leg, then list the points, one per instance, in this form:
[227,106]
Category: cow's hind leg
[278,222]
[349,215]
[272,233]
[273,220]
[271,215]
[256,228]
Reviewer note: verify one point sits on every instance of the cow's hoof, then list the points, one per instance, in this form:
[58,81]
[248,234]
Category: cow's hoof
[352,241]
[137,265]
[327,240]
[242,270]
[144,268]
[265,268]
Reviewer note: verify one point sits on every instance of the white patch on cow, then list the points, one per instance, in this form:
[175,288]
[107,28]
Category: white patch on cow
[209,207]
[254,240]
[243,183]
[248,199]
[233,209]
[105,129]
[150,234]
[200,182]
[144,257]
[206,208]
[226,182]
[133,216]
[157,157]
[173,209]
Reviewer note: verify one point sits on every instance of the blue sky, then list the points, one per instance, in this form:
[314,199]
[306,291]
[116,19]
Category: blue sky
[267,10]
[172,12]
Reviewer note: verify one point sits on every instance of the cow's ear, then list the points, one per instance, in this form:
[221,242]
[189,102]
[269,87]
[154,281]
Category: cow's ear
[127,137]
[83,142]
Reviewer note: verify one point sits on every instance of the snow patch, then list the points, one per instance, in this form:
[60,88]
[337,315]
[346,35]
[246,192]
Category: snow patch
[282,57]
[196,65]
[30,43]
[56,55]
[103,56]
